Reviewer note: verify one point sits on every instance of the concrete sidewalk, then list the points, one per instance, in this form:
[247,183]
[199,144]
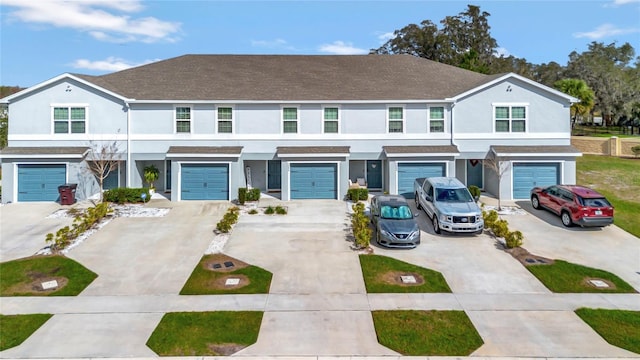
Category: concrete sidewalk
[317,307]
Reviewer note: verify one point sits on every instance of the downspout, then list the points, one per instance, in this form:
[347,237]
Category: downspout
[126,104]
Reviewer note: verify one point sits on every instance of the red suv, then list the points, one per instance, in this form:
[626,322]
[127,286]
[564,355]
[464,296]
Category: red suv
[575,204]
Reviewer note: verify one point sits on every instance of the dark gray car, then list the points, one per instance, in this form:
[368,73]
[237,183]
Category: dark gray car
[395,223]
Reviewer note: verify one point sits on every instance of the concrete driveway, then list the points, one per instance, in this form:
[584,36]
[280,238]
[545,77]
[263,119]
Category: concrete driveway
[24,226]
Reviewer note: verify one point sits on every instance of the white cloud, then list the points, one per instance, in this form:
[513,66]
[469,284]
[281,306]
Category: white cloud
[383,38]
[342,48]
[104,20]
[109,64]
[625,2]
[604,31]
[277,43]
[501,52]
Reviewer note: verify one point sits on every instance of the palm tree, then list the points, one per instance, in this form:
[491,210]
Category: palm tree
[580,90]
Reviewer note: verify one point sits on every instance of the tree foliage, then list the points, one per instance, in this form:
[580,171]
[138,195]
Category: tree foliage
[4,114]
[580,90]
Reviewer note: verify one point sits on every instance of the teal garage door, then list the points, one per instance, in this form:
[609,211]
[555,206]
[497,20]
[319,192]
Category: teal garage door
[313,181]
[40,182]
[409,172]
[204,182]
[526,176]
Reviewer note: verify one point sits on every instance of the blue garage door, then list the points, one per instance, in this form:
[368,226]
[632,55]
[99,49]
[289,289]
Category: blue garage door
[40,182]
[526,176]
[204,182]
[313,181]
[409,172]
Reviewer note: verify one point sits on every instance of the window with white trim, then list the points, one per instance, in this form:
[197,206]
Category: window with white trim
[510,118]
[225,120]
[183,119]
[290,120]
[436,119]
[331,120]
[69,120]
[395,116]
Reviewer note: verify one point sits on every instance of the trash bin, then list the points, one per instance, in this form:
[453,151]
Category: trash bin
[67,194]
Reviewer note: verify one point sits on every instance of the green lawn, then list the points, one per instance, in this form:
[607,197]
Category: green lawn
[204,281]
[205,333]
[619,327]
[17,328]
[619,180]
[565,277]
[427,333]
[18,277]
[376,270]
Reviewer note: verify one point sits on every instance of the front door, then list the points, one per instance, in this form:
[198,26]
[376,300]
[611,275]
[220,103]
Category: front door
[474,173]
[374,174]
[274,174]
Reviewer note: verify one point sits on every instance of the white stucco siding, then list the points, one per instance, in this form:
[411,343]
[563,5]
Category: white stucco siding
[32,115]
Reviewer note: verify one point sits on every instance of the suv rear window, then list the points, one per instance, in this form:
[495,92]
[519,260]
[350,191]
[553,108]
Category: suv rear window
[594,202]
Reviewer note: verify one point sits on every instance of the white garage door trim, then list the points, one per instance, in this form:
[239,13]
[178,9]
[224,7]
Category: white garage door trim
[180,163]
[336,163]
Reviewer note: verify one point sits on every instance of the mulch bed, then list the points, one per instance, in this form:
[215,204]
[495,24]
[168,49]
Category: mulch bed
[528,259]
[220,282]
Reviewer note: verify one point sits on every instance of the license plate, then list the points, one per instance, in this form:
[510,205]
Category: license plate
[598,212]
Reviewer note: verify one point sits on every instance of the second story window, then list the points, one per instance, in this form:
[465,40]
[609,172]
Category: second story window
[436,119]
[396,119]
[331,120]
[290,120]
[183,119]
[69,120]
[225,120]
[510,118]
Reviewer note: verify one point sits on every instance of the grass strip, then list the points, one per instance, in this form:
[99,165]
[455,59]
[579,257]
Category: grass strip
[617,327]
[375,269]
[565,277]
[427,333]
[203,281]
[205,333]
[16,329]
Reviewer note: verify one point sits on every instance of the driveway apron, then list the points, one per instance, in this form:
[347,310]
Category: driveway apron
[312,264]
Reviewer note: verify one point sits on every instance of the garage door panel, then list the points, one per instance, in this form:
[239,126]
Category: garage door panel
[409,172]
[39,182]
[526,176]
[313,181]
[205,182]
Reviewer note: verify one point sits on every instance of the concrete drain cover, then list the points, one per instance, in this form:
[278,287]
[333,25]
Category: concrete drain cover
[232,282]
[530,260]
[598,283]
[228,264]
[216,266]
[49,285]
[408,279]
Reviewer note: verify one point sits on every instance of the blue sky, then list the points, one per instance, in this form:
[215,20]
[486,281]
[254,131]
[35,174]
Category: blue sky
[41,39]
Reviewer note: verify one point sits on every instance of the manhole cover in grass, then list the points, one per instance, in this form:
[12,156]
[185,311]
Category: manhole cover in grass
[216,266]
[232,282]
[408,279]
[598,283]
[530,260]
[228,264]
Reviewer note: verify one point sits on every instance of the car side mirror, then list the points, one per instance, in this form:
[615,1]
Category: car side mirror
[415,215]
[428,198]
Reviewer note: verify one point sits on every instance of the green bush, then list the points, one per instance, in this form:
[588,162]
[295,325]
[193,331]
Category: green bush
[475,191]
[253,212]
[636,150]
[242,195]
[500,228]
[81,223]
[228,220]
[513,239]
[280,210]
[490,217]
[269,210]
[358,194]
[253,194]
[126,195]
[360,225]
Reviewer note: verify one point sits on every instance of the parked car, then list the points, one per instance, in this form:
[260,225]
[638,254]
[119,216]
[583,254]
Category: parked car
[396,226]
[449,204]
[574,204]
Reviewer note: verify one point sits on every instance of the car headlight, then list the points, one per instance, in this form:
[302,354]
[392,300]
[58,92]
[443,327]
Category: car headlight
[415,233]
[385,232]
[446,218]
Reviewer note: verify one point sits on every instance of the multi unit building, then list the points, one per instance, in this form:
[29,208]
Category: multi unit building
[304,126]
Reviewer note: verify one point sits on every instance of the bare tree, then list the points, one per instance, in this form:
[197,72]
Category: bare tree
[499,167]
[103,159]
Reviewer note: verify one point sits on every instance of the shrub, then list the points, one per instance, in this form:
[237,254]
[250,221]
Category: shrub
[490,217]
[269,210]
[228,220]
[636,150]
[126,195]
[253,194]
[242,195]
[358,194]
[280,210]
[475,191]
[360,225]
[253,212]
[81,223]
[513,239]
[500,228]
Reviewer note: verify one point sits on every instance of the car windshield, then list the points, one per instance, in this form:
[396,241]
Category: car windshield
[594,202]
[399,212]
[454,195]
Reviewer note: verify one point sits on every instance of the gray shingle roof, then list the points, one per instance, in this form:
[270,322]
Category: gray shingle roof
[542,149]
[291,78]
[72,151]
[293,150]
[204,150]
[443,149]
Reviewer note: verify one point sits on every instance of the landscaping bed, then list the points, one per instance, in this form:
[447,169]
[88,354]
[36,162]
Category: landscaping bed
[383,274]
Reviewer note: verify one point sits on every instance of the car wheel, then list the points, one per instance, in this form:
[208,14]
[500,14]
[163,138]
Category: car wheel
[378,236]
[417,202]
[535,202]
[566,219]
[436,225]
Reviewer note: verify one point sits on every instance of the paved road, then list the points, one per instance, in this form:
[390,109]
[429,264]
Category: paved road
[317,305]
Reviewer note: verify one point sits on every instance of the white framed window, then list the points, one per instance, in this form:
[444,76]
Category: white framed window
[510,117]
[395,119]
[290,120]
[436,119]
[331,120]
[225,119]
[69,119]
[183,119]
